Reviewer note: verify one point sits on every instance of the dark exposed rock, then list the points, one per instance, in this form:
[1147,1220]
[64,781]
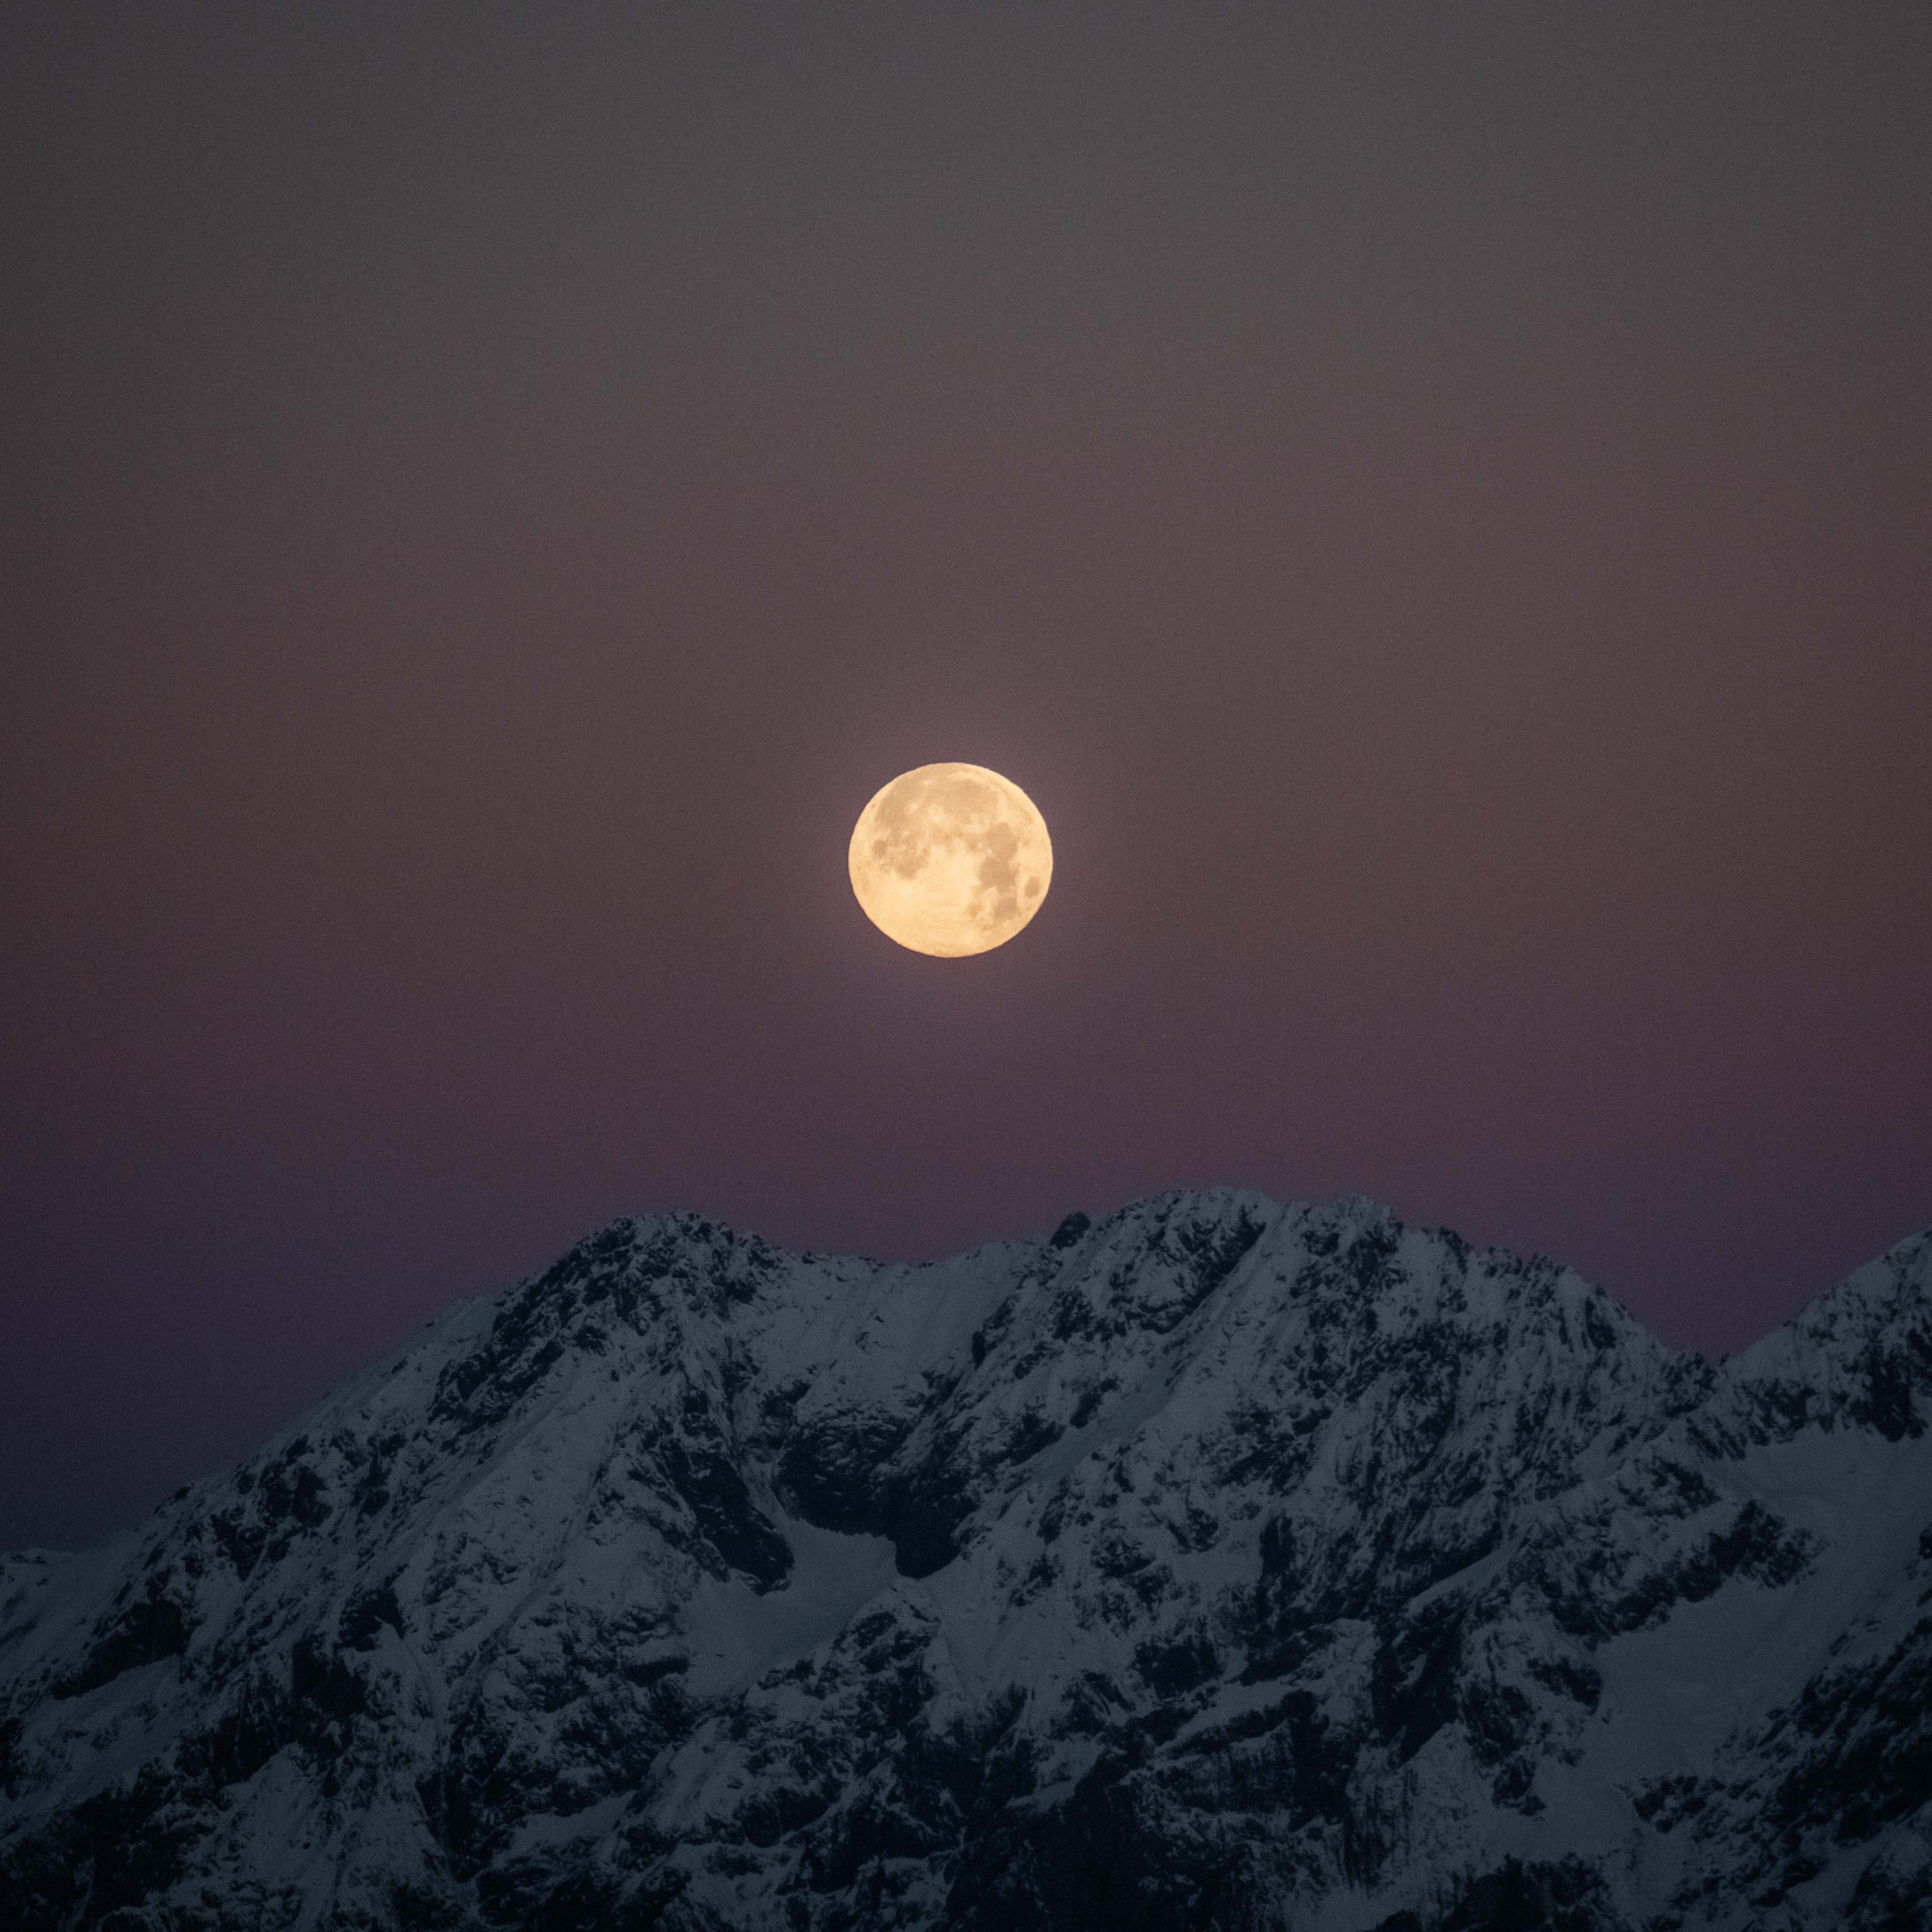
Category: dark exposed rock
[151,1629]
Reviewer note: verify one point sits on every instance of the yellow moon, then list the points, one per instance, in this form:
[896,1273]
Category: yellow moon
[950,859]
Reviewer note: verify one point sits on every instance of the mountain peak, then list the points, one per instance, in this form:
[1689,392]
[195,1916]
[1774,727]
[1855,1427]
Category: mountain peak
[1210,1557]
[1858,1357]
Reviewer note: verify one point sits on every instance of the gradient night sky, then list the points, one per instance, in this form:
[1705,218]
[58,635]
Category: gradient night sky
[1434,503]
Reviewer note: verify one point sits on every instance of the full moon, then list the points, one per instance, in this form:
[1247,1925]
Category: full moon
[950,859]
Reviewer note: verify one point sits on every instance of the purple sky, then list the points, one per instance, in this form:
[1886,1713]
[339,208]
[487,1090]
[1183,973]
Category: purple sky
[1435,505]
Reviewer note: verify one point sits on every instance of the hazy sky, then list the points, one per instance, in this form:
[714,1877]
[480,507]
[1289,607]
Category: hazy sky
[1434,502]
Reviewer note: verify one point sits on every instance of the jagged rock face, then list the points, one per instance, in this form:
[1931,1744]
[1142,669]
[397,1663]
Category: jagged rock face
[1219,1565]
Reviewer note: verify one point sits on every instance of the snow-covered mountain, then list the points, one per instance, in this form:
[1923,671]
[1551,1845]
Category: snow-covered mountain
[1220,1564]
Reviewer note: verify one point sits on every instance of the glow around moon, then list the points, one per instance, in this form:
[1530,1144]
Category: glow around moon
[950,859]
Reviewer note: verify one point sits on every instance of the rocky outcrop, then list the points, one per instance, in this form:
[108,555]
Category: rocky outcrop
[1218,1565]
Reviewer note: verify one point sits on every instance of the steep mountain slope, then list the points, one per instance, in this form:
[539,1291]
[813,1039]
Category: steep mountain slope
[1222,1564]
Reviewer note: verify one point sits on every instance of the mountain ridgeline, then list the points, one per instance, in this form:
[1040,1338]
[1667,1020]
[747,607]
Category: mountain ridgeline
[1220,1564]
